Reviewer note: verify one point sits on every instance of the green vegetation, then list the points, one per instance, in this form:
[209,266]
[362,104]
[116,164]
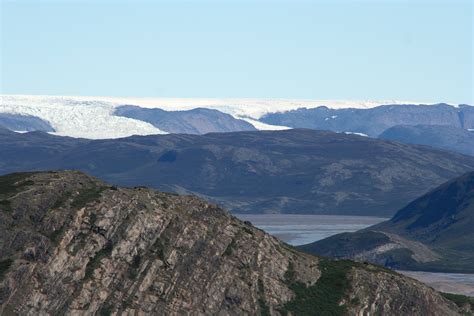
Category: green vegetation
[460,300]
[92,218]
[106,310]
[4,266]
[6,205]
[247,230]
[10,183]
[230,248]
[290,273]
[81,242]
[159,247]
[324,296]
[86,196]
[94,262]
[56,235]
[61,200]
[355,301]
[133,269]
[262,302]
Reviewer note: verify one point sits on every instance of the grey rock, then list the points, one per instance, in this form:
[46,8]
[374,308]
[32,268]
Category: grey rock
[163,254]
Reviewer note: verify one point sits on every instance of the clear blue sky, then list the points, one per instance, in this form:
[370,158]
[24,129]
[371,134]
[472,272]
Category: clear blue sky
[411,50]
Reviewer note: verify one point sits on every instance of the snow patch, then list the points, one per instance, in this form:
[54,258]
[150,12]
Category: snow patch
[355,133]
[264,127]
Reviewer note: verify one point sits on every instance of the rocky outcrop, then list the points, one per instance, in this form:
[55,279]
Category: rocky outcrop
[71,244]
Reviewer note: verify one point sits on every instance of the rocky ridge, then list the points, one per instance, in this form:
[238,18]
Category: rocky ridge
[72,244]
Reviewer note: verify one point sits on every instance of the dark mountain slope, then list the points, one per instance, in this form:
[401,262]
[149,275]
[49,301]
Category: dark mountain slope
[444,137]
[293,171]
[23,123]
[195,121]
[376,120]
[31,151]
[443,218]
[71,244]
[434,232]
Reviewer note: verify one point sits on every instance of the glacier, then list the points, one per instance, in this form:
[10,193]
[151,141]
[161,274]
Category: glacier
[92,117]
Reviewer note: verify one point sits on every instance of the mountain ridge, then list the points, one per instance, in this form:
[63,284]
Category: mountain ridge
[92,117]
[374,121]
[438,136]
[195,121]
[292,171]
[73,244]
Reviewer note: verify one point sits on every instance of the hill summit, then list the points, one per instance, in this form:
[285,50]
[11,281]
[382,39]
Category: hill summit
[71,244]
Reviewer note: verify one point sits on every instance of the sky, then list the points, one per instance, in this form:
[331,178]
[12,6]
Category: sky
[416,50]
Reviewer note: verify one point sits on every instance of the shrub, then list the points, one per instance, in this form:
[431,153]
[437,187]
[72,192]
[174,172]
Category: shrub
[262,302]
[106,310]
[460,300]
[86,196]
[324,296]
[6,205]
[4,266]
[10,183]
[230,248]
[95,261]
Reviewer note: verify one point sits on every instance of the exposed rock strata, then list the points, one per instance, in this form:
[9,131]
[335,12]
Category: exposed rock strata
[71,244]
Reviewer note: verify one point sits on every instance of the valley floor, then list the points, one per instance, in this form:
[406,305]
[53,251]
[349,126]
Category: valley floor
[296,229]
[457,283]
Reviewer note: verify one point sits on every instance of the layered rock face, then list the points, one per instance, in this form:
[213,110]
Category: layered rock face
[71,244]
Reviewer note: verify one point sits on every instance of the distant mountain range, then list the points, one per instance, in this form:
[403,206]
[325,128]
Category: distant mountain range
[71,244]
[195,121]
[374,121]
[442,125]
[292,171]
[438,136]
[24,123]
[432,233]
[102,117]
